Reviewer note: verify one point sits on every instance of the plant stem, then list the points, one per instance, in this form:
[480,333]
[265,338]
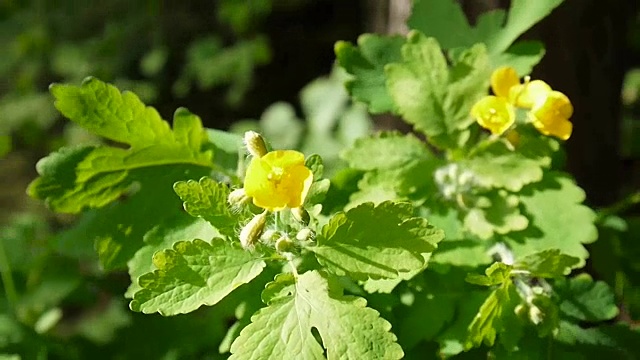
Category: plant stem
[7,279]
[620,206]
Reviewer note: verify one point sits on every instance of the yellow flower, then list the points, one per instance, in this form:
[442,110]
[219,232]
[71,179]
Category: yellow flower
[278,180]
[549,110]
[502,80]
[505,83]
[551,115]
[494,113]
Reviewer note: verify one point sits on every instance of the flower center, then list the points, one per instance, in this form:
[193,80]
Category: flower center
[275,175]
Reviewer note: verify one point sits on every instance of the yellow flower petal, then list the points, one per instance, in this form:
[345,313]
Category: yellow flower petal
[503,79]
[278,180]
[551,115]
[528,94]
[494,113]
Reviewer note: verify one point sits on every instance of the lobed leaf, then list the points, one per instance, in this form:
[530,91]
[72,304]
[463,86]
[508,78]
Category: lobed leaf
[311,302]
[558,219]
[75,178]
[500,215]
[207,199]
[192,274]
[586,300]
[497,166]
[445,21]
[547,264]
[376,242]
[366,63]
[494,317]
[162,237]
[432,97]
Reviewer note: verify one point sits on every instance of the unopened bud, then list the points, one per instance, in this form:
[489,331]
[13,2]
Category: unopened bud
[238,197]
[284,245]
[270,235]
[304,234]
[255,144]
[301,215]
[253,230]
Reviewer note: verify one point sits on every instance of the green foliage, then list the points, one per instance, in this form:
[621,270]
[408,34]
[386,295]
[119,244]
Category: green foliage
[207,199]
[192,274]
[297,305]
[446,21]
[75,178]
[585,299]
[366,62]
[375,242]
[560,220]
[493,317]
[427,93]
[498,166]
[436,243]
[209,64]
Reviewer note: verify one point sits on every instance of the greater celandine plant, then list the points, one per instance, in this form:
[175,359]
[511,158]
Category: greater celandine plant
[382,260]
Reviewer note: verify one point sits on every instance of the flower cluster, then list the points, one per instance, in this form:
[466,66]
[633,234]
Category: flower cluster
[548,110]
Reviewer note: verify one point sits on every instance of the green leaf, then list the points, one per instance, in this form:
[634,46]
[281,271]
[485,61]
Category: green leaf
[445,20]
[498,166]
[116,231]
[467,301]
[522,56]
[366,63]
[208,199]
[285,329]
[496,274]
[432,308]
[192,274]
[602,342]
[162,237]
[496,212]
[314,163]
[385,151]
[547,264]
[227,148]
[75,178]
[458,248]
[436,100]
[586,300]
[370,241]
[396,165]
[317,192]
[558,220]
[496,312]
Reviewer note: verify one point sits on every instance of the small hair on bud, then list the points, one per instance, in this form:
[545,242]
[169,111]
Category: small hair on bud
[251,232]
[255,144]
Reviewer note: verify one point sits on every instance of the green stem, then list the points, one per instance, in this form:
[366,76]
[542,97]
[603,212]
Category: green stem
[620,206]
[7,279]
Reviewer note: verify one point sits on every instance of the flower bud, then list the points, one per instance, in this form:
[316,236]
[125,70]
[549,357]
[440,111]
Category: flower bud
[269,235]
[284,245]
[301,215]
[304,234]
[238,197]
[255,144]
[253,230]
